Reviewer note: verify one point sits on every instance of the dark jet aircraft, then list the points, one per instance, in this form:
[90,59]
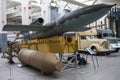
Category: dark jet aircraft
[73,21]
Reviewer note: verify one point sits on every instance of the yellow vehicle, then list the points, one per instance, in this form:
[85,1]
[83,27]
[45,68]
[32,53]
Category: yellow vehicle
[61,45]
[69,43]
[88,39]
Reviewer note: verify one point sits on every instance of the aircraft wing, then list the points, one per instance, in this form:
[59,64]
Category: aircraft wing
[25,28]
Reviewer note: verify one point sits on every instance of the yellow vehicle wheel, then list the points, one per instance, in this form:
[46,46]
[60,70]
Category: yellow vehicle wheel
[94,49]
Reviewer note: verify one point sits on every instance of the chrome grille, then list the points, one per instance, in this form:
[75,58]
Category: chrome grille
[106,44]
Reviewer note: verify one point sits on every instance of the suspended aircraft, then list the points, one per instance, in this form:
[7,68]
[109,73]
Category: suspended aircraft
[73,21]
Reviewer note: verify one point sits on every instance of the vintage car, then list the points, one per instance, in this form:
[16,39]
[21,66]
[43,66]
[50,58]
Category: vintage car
[107,34]
[88,39]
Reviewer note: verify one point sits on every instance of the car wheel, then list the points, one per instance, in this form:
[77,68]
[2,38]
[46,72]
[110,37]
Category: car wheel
[94,49]
[117,50]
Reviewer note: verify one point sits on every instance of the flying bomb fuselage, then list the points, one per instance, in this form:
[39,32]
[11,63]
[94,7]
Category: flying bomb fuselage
[73,21]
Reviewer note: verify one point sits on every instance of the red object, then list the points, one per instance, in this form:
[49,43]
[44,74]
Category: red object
[30,17]
[91,31]
[29,7]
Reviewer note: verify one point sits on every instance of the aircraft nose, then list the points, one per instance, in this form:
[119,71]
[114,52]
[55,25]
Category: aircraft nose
[108,5]
[104,6]
[99,7]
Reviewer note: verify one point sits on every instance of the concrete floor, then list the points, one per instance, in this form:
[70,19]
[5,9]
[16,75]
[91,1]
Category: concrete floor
[109,69]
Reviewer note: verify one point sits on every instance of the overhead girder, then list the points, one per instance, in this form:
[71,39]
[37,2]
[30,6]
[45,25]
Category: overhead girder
[35,15]
[13,11]
[16,11]
[14,8]
[12,3]
[87,1]
[111,2]
[75,2]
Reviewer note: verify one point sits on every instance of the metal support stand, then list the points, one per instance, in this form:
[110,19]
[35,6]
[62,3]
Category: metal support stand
[94,57]
[76,64]
[72,63]
[10,76]
[81,72]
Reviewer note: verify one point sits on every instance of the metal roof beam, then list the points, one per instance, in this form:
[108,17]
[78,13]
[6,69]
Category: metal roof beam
[75,2]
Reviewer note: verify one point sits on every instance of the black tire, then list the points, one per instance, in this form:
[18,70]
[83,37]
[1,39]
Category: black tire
[117,50]
[94,49]
[108,53]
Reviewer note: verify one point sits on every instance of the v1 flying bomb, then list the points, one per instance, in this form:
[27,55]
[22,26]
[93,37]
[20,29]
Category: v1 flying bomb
[73,21]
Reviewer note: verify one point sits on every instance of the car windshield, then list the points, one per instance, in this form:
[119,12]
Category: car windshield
[110,35]
[105,35]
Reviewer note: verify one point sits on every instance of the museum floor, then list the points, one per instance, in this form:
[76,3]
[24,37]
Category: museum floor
[109,69]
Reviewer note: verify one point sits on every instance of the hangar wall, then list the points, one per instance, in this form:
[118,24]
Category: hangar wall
[55,7]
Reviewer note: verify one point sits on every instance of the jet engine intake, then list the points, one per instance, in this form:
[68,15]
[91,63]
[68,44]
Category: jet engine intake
[39,21]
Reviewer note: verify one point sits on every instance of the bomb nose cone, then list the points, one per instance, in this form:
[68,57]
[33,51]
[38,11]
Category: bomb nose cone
[102,6]
[112,5]
[107,5]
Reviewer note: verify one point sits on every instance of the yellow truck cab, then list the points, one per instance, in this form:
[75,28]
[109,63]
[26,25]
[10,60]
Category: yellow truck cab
[88,39]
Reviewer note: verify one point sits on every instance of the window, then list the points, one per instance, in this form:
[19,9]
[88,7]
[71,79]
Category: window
[110,34]
[99,35]
[105,35]
[53,12]
[83,37]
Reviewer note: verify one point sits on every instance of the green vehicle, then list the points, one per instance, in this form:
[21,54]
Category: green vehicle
[107,34]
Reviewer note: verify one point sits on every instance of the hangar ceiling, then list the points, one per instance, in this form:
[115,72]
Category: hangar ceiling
[14,7]
[112,1]
[14,10]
